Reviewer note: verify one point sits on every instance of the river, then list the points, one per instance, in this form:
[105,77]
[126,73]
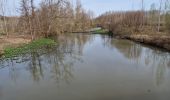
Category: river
[87,67]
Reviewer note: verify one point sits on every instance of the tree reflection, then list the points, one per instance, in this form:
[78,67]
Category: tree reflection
[160,62]
[52,62]
[35,66]
[157,60]
[126,48]
[57,62]
[1,94]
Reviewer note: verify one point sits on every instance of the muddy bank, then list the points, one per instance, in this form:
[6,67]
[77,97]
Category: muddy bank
[12,41]
[154,40]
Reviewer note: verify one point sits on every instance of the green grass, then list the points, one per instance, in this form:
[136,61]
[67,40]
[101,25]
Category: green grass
[101,31]
[10,52]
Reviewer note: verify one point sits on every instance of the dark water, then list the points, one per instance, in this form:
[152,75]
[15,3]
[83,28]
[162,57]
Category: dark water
[87,67]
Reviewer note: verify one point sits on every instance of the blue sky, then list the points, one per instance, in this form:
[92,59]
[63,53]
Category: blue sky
[99,6]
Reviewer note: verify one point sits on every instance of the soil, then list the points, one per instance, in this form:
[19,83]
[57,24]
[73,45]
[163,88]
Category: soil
[162,41]
[13,41]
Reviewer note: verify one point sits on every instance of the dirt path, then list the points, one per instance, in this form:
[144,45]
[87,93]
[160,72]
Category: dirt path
[12,41]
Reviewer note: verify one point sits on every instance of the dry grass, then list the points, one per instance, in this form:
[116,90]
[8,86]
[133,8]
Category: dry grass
[13,41]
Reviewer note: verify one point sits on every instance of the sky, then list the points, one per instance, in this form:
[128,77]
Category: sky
[97,6]
[101,6]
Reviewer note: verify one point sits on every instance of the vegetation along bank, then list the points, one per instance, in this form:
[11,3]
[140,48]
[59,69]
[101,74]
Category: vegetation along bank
[150,27]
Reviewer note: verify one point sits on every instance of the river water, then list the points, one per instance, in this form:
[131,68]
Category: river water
[87,67]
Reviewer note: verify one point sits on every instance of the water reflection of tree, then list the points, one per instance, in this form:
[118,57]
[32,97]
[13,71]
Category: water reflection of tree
[35,66]
[158,60]
[54,62]
[1,94]
[127,48]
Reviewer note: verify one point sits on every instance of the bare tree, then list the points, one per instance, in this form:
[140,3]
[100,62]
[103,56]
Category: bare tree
[2,11]
[153,17]
[52,17]
[159,19]
[167,15]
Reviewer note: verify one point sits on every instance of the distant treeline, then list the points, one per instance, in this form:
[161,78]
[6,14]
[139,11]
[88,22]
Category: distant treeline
[157,19]
[51,17]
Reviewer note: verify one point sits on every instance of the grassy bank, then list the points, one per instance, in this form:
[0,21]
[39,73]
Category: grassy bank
[25,48]
[101,31]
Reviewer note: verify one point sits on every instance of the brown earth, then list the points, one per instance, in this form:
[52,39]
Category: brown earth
[162,41]
[13,41]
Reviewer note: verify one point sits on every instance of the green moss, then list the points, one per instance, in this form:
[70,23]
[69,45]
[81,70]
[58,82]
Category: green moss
[12,52]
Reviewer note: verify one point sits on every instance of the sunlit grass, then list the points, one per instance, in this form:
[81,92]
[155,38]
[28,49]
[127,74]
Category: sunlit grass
[101,31]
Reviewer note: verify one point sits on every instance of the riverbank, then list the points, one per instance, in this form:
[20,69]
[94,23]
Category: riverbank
[10,52]
[162,41]
[13,41]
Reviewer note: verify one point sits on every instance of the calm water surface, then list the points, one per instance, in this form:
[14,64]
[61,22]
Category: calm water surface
[87,67]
